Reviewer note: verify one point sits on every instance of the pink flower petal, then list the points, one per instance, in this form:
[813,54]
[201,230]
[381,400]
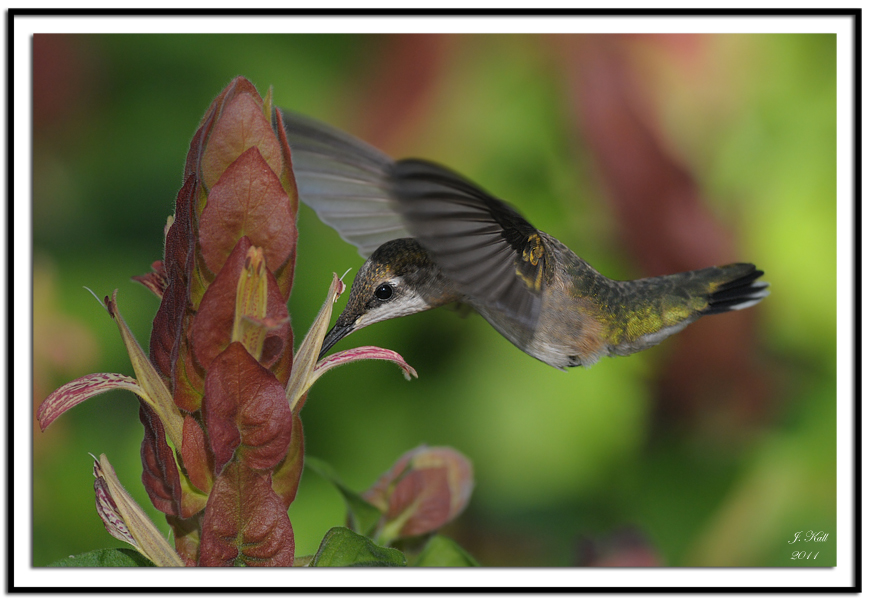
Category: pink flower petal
[362,353]
[79,390]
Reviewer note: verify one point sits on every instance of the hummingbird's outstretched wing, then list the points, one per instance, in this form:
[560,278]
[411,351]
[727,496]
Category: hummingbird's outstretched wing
[346,182]
[493,254]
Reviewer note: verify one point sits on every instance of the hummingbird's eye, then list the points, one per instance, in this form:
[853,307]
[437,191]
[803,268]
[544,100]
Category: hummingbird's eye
[384,291]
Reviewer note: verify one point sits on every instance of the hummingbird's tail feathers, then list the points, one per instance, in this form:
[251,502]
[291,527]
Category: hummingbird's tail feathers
[345,181]
[737,293]
[658,307]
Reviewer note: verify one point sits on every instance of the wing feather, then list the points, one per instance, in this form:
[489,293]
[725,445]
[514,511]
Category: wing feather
[480,242]
[345,181]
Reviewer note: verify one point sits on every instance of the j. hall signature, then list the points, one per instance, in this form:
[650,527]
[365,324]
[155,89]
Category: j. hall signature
[807,536]
[810,536]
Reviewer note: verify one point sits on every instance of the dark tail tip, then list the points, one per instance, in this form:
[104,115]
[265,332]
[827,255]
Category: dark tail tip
[741,291]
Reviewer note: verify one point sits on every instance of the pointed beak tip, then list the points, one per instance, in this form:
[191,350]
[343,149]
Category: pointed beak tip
[332,337]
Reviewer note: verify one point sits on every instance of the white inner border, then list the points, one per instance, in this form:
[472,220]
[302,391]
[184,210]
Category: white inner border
[20,285]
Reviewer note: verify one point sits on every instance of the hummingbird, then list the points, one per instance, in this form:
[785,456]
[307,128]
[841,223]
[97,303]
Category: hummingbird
[431,238]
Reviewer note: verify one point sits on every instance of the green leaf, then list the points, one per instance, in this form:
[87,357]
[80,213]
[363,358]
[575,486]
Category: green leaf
[363,515]
[108,557]
[341,547]
[443,552]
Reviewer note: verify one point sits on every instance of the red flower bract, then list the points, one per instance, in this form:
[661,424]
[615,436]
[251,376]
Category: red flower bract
[225,364]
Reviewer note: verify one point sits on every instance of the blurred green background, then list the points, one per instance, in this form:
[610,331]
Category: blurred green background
[713,448]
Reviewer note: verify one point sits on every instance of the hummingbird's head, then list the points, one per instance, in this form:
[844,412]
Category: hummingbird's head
[398,279]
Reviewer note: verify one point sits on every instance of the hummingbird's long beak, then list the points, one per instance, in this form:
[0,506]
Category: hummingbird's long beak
[334,335]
